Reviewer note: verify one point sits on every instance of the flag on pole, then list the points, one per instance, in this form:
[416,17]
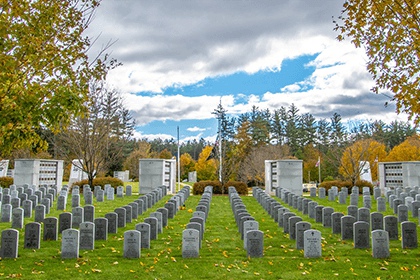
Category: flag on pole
[318,162]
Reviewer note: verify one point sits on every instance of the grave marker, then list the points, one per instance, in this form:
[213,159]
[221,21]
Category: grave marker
[70,244]
[32,236]
[190,243]
[380,244]
[132,245]
[312,243]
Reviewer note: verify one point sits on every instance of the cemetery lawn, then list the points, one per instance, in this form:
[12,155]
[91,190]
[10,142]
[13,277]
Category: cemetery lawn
[221,257]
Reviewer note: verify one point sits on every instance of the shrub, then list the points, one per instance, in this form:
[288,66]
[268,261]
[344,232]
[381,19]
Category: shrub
[241,188]
[339,184]
[363,183]
[5,182]
[100,181]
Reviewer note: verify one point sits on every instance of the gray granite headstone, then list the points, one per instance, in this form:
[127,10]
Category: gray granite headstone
[78,216]
[254,244]
[120,191]
[89,213]
[6,213]
[318,213]
[342,197]
[312,243]
[347,227]
[32,236]
[326,216]
[336,222]
[50,229]
[134,210]
[367,201]
[70,244]
[286,217]
[144,229]
[361,236]
[87,236]
[292,226]
[112,222]
[17,218]
[190,243]
[158,216]
[380,244]
[9,243]
[280,213]
[61,203]
[363,214]
[301,227]
[380,204]
[132,244]
[352,211]
[415,206]
[164,212]
[128,214]
[311,209]
[402,211]
[249,225]
[377,220]
[321,193]
[65,221]
[409,235]
[101,228]
[153,222]
[391,226]
[100,195]
[75,200]
[354,199]
[395,204]
[121,212]
[128,190]
[88,196]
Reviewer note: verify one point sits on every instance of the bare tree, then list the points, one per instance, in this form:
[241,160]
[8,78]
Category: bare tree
[97,138]
[253,167]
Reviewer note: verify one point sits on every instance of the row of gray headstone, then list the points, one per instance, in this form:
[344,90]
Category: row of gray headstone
[376,220]
[248,227]
[359,223]
[307,239]
[90,229]
[192,236]
[139,238]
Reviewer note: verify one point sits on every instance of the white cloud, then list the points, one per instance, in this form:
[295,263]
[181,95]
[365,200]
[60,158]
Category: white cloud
[195,128]
[176,43]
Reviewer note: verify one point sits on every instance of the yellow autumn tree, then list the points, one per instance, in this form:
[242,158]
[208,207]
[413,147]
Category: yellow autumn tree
[206,168]
[409,150]
[389,31]
[187,165]
[45,69]
[362,150]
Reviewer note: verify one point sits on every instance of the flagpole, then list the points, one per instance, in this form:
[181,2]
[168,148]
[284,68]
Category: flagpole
[220,149]
[319,170]
[178,164]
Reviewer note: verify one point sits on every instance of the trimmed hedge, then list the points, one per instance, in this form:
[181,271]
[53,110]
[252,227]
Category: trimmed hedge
[241,187]
[341,184]
[5,182]
[100,181]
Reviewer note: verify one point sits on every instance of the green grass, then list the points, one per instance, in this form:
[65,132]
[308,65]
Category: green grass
[221,256]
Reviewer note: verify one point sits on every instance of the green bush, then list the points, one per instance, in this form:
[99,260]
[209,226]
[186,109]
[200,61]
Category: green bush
[5,182]
[100,181]
[241,188]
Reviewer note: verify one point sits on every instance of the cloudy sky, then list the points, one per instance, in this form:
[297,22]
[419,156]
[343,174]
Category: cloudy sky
[182,57]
